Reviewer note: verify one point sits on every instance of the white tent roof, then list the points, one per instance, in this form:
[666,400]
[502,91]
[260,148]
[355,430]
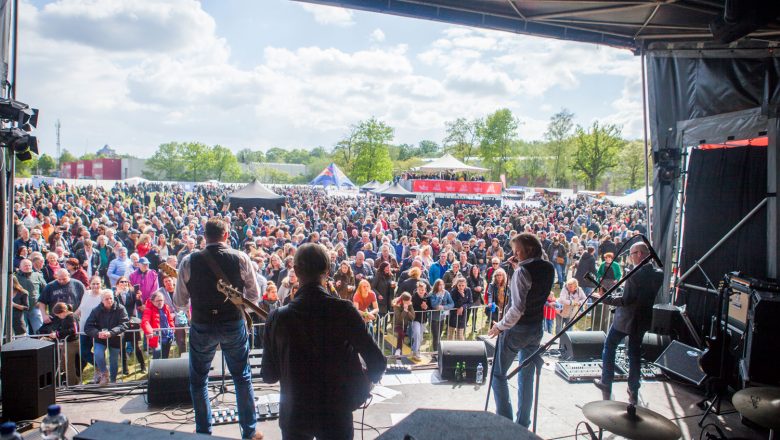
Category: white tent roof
[639,195]
[448,163]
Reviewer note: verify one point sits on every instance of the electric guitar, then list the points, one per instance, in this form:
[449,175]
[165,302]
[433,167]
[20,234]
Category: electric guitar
[711,360]
[231,294]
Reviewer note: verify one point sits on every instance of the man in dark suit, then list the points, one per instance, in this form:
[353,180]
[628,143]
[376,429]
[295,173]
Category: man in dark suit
[633,317]
[312,347]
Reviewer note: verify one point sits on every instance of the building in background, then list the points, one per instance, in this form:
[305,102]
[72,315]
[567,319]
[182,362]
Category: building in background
[103,168]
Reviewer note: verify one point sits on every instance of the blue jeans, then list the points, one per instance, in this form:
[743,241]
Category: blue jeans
[523,339]
[85,351]
[560,269]
[634,358]
[100,359]
[34,320]
[548,325]
[234,340]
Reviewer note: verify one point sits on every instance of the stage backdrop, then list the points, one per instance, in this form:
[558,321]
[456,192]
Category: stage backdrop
[723,186]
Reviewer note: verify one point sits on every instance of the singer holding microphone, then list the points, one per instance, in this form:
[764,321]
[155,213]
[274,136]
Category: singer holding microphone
[521,325]
[633,318]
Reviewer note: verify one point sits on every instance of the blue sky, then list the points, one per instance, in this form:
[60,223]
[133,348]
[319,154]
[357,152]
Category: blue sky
[278,73]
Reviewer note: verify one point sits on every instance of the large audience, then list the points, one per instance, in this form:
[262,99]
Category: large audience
[87,262]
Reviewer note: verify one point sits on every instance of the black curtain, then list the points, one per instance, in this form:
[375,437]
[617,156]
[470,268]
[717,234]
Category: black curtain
[723,186]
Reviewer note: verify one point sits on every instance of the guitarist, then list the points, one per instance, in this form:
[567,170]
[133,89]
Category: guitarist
[218,322]
[311,346]
[633,317]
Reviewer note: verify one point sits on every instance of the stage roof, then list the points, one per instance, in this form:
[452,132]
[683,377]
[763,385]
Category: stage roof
[625,24]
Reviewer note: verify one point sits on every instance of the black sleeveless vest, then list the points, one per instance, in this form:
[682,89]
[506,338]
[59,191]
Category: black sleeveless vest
[208,304]
[542,277]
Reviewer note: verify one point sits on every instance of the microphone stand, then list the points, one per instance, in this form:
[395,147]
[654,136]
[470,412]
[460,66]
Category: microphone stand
[543,348]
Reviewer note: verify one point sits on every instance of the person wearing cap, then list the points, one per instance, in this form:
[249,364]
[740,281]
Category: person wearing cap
[145,278]
[406,264]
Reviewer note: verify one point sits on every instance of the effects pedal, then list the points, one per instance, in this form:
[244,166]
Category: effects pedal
[398,369]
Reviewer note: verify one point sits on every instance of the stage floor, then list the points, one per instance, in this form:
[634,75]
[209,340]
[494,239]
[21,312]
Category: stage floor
[559,406]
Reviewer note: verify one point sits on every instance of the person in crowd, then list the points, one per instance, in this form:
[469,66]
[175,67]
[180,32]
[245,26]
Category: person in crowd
[403,314]
[585,265]
[145,278]
[570,300]
[609,272]
[20,303]
[439,268]
[304,348]
[440,302]
[89,259]
[550,311]
[289,285]
[383,284]
[452,273]
[119,266]
[62,289]
[131,301]
[180,317]
[365,302]
[91,299]
[104,325]
[558,255]
[76,271]
[32,282]
[476,284]
[269,303]
[157,324]
[462,298]
[51,267]
[344,281]
[422,309]
[62,324]
[521,326]
[633,317]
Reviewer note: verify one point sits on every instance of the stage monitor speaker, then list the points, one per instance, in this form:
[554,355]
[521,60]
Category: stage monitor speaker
[472,353]
[28,378]
[427,423]
[761,356]
[664,319]
[653,345]
[582,346]
[104,430]
[169,382]
[683,361]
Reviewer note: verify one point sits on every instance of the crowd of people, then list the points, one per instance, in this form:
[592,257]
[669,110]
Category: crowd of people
[87,261]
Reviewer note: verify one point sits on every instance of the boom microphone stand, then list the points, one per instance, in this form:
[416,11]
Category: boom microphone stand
[542,349]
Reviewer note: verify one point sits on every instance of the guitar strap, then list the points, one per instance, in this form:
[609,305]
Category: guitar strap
[220,274]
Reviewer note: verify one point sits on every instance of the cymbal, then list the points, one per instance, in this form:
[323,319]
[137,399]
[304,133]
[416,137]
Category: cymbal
[644,425]
[759,404]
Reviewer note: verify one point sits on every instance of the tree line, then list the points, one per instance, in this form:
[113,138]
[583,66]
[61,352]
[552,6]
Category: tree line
[595,157]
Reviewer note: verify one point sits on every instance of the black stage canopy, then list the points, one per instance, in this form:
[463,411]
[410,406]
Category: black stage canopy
[256,195]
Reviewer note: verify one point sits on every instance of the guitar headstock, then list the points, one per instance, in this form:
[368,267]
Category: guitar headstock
[228,290]
[168,270]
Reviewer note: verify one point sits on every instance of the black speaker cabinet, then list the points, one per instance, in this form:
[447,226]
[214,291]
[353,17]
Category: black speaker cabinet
[472,353]
[653,345]
[427,423]
[761,356]
[169,382]
[582,346]
[683,361]
[28,378]
[103,430]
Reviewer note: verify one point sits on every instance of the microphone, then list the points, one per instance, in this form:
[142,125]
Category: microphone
[653,255]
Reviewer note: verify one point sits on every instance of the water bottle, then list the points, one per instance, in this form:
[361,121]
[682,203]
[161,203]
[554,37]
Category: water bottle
[54,425]
[8,431]
[479,373]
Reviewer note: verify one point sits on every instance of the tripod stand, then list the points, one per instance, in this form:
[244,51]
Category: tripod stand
[542,349]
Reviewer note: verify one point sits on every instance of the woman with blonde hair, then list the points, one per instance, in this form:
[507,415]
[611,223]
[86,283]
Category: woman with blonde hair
[571,297]
[461,296]
[365,301]
[497,294]
[426,255]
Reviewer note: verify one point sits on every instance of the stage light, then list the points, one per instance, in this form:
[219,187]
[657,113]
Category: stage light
[19,112]
[23,143]
[668,161]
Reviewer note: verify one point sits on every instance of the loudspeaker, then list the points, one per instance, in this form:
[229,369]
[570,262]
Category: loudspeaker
[427,423]
[682,360]
[653,345]
[760,359]
[472,353]
[169,382]
[28,378]
[103,430]
[664,319]
[582,346]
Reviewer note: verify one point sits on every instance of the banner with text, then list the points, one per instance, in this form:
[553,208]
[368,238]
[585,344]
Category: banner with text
[451,186]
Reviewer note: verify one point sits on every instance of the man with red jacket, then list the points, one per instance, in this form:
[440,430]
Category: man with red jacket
[157,324]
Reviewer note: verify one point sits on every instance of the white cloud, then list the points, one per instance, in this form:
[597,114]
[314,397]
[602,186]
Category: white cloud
[377,36]
[330,15]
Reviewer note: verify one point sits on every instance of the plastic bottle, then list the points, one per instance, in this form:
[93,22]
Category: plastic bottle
[54,425]
[8,431]
[480,373]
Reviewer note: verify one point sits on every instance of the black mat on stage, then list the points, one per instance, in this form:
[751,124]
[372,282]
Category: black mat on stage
[456,425]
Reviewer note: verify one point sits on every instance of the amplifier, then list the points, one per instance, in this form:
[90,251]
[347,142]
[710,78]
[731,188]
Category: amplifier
[760,360]
[582,346]
[585,371]
[471,353]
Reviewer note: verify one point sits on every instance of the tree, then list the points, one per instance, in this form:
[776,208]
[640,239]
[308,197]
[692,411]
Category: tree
[345,151]
[246,155]
[462,137]
[25,168]
[297,155]
[46,164]
[276,155]
[223,164]
[596,151]
[558,136]
[631,165]
[66,156]
[372,161]
[406,152]
[498,135]
[428,148]
[165,163]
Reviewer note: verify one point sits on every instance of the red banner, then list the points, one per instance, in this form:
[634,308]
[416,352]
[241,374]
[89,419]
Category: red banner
[456,187]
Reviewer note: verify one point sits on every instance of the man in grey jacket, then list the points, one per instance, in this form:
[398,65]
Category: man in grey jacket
[633,317]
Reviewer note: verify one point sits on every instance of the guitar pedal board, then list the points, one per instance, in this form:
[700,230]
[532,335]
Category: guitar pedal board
[585,371]
[398,369]
[266,408]
[648,371]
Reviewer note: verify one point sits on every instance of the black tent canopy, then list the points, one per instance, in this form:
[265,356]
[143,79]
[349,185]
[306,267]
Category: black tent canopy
[394,190]
[256,195]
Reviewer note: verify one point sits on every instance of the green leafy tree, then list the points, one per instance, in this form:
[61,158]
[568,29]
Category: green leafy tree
[462,137]
[246,155]
[406,152]
[25,168]
[498,136]
[276,155]
[66,156]
[428,148]
[88,156]
[165,163]
[298,155]
[223,164]
[46,164]
[345,151]
[596,152]
[558,136]
[373,158]
[631,165]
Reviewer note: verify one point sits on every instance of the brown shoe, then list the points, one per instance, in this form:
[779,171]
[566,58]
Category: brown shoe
[258,436]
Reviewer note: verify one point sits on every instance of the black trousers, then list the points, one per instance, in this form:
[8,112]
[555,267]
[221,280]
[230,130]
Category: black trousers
[335,428]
